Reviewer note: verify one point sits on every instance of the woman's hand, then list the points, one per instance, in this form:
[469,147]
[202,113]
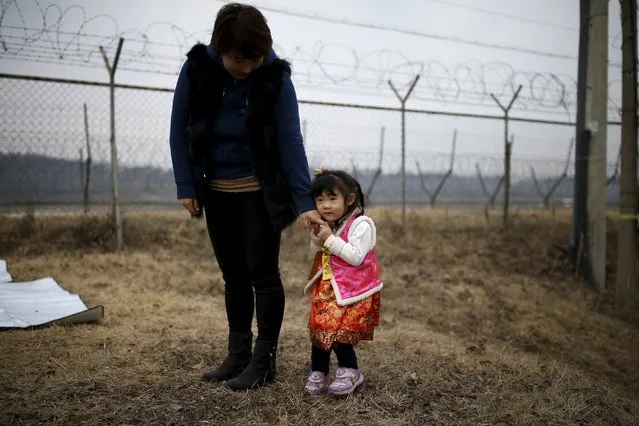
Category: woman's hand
[312,218]
[191,205]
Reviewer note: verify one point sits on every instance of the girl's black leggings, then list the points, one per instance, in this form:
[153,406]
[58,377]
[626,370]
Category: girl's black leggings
[346,357]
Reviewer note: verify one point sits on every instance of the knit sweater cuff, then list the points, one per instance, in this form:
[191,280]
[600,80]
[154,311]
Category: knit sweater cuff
[185,190]
[334,244]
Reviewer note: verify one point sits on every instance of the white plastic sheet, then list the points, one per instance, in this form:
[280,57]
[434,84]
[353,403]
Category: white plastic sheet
[5,276]
[33,303]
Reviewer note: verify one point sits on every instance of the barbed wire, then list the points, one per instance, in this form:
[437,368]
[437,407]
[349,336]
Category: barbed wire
[65,36]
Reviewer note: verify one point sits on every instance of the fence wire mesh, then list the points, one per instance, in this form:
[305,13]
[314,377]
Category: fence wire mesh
[44,152]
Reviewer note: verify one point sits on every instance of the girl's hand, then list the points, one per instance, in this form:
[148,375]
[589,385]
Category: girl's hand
[324,232]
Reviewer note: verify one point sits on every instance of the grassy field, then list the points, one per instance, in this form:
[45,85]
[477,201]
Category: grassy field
[478,327]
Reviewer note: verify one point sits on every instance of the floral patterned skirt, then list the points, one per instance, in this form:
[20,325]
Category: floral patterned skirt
[330,323]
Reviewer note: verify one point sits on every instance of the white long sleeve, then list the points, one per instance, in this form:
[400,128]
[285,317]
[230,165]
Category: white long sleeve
[360,242]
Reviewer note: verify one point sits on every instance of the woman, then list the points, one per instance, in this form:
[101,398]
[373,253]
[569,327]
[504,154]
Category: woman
[238,155]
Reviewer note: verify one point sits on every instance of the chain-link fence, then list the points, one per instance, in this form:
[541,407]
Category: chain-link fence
[49,153]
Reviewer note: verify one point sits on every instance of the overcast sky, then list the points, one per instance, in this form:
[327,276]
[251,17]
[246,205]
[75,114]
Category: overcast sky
[345,62]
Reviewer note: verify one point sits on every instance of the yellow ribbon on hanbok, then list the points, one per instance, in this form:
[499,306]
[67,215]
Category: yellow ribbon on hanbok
[327,272]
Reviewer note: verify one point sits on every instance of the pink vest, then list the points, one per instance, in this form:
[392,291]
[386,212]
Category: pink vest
[353,283]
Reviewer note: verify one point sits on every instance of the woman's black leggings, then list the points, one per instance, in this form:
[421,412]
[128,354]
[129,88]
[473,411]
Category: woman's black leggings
[247,250]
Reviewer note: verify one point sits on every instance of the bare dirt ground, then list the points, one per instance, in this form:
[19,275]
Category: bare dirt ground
[478,327]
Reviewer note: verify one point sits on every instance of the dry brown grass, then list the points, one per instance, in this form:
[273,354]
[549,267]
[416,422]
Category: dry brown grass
[478,327]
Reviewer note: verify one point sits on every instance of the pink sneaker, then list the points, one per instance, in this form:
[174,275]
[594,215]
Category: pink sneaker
[316,383]
[346,381]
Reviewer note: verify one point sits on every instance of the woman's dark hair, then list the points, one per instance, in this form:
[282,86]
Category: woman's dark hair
[242,28]
[333,181]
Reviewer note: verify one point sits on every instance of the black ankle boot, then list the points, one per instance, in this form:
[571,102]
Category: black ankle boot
[238,358]
[260,370]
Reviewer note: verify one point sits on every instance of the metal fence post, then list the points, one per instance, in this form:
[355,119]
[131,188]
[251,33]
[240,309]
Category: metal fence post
[403,112]
[508,149]
[87,166]
[582,139]
[627,238]
[114,150]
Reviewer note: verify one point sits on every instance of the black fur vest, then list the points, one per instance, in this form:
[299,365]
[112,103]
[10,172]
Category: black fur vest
[204,98]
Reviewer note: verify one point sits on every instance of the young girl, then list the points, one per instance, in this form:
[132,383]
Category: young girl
[344,281]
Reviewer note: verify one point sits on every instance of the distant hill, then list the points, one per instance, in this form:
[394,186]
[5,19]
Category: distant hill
[26,179]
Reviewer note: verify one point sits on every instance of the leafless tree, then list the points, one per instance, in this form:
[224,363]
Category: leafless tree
[432,195]
[546,196]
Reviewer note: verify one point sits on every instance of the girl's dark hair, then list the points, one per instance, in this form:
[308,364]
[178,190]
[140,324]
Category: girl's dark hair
[332,181]
[242,28]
